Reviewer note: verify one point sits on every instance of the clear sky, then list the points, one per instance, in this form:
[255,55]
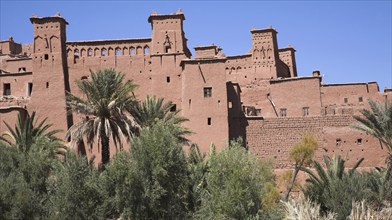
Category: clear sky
[348,41]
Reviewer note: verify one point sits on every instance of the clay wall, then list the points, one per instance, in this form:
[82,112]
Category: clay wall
[16,65]
[274,137]
[18,83]
[349,97]
[296,94]
[204,102]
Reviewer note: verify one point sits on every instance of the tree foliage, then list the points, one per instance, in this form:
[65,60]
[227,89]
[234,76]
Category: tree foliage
[27,131]
[106,97]
[236,184]
[301,154]
[148,112]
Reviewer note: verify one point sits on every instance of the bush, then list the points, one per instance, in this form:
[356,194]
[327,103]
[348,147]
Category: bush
[75,191]
[237,183]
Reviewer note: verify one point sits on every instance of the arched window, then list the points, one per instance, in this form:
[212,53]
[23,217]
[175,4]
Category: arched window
[118,51]
[132,51]
[139,50]
[76,52]
[83,78]
[110,51]
[104,52]
[89,52]
[83,52]
[96,52]
[146,50]
[125,50]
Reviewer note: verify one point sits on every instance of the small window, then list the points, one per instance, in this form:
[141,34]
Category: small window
[46,57]
[104,52]
[132,51]
[90,52]
[283,112]
[209,121]
[22,69]
[345,100]
[29,89]
[306,111]
[230,104]
[7,89]
[82,52]
[258,112]
[118,52]
[173,108]
[47,84]
[145,50]
[207,92]
[338,142]
[168,79]
[76,52]
[360,99]
[359,141]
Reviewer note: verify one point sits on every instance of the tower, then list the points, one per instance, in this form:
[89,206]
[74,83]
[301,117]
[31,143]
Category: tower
[265,53]
[50,73]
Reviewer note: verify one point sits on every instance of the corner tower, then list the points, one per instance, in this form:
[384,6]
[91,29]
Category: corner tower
[50,73]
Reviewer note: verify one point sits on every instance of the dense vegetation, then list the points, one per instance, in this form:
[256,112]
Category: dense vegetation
[157,179]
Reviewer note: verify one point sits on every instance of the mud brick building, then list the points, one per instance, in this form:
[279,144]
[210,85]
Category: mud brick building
[257,96]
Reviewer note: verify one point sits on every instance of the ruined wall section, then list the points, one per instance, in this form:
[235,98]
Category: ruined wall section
[274,137]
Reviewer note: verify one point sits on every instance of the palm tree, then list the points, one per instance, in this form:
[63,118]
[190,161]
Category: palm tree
[28,131]
[152,110]
[105,98]
[334,188]
[378,122]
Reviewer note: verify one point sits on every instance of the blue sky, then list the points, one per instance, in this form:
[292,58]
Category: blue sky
[348,41]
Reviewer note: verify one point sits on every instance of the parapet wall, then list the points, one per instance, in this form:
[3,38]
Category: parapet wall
[274,137]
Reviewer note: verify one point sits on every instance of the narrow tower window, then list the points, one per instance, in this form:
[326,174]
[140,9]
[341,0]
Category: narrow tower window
[7,89]
[209,121]
[29,89]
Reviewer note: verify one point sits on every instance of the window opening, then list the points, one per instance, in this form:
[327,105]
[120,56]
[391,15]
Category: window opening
[209,121]
[306,111]
[345,100]
[168,79]
[7,89]
[46,57]
[103,52]
[118,52]
[283,112]
[360,99]
[173,108]
[29,89]
[359,141]
[90,52]
[338,142]
[47,84]
[207,92]
[146,50]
